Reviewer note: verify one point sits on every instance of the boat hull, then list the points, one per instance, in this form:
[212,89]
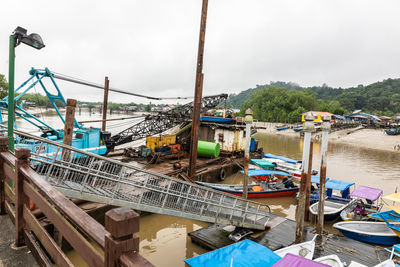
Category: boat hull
[267,194]
[369,232]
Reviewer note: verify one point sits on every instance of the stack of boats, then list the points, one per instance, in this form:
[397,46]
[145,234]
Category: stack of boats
[249,253]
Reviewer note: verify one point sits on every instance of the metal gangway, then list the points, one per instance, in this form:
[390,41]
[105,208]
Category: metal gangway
[82,175]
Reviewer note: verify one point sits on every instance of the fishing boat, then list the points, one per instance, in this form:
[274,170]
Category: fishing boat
[285,164]
[370,232]
[217,119]
[267,175]
[262,163]
[393,214]
[393,131]
[331,260]
[283,127]
[260,190]
[358,210]
[332,208]
[305,249]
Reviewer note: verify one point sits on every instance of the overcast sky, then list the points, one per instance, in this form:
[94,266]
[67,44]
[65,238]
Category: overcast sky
[150,47]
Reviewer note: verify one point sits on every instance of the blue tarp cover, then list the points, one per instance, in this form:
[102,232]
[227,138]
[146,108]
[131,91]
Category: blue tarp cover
[266,172]
[315,179]
[288,160]
[244,253]
[338,185]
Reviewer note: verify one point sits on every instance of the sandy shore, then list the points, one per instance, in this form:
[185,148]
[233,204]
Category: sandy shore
[366,138]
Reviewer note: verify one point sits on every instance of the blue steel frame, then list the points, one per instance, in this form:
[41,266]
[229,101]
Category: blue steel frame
[39,75]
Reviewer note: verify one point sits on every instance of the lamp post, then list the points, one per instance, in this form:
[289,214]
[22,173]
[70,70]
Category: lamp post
[248,119]
[308,129]
[325,127]
[33,40]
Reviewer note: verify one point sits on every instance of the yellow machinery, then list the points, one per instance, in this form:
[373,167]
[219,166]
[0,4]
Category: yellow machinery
[157,141]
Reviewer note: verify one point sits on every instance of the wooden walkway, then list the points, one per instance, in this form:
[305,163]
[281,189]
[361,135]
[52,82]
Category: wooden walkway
[282,234]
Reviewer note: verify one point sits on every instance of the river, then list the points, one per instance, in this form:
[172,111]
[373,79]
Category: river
[164,240]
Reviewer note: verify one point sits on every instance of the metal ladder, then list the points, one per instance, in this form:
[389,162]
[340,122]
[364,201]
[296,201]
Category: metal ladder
[82,175]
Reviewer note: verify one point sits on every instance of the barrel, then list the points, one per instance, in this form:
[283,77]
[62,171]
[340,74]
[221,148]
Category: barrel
[208,149]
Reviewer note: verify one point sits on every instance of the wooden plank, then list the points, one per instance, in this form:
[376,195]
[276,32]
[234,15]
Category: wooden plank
[10,211]
[8,157]
[74,238]
[84,222]
[9,192]
[8,172]
[45,239]
[37,252]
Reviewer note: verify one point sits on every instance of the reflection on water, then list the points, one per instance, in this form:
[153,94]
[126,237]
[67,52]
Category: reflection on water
[164,240]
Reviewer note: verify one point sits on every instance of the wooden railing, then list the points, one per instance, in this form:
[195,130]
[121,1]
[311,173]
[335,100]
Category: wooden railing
[114,244]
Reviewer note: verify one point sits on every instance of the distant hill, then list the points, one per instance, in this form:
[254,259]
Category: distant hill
[378,98]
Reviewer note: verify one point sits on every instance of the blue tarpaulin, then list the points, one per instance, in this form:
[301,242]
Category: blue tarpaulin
[266,172]
[288,160]
[338,185]
[244,253]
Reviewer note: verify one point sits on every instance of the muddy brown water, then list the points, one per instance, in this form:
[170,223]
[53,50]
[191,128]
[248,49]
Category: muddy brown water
[164,240]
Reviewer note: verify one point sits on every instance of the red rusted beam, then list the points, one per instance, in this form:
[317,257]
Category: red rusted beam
[308,184]
[198,92]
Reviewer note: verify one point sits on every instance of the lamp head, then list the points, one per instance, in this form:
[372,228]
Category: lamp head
[33,40]
[249,116]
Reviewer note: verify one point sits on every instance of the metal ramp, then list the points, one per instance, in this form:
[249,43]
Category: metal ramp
[91,177]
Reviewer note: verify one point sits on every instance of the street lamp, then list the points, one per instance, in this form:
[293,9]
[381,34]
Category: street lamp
[18,36]
[248,119]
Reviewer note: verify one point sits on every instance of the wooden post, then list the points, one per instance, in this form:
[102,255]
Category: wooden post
[3,148]
[198,92]
[105,103]
[69,127]
[121,223]
[308,184]
[22,155]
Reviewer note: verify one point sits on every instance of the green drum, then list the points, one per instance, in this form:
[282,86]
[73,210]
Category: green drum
[208,149]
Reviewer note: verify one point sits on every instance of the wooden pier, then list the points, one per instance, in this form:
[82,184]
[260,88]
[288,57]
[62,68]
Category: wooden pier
[114,244]
[282,234]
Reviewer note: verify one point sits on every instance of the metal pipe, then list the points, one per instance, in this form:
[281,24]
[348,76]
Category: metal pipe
[325,127]
[198,92]
[308,129]
[11,70]
[113,119]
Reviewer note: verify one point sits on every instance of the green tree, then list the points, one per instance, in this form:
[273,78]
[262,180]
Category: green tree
[3,86]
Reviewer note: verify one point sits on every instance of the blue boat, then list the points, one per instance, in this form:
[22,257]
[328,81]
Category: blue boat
[393,131]
[217,119]
[283,128]
[370,232]
[244,253]
[256,173]
[389,215]
[342,187]
[298,129]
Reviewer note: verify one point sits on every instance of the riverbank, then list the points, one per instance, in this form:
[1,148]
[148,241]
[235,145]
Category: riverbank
[363,138]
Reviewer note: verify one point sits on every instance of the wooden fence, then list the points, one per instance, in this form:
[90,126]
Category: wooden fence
[114,244]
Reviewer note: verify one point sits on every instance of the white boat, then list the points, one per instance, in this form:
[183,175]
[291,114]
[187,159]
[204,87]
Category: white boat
[305,249]
[332,208]
[331,260]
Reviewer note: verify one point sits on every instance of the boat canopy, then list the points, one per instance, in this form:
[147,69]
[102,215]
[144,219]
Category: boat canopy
[315,179]
[238,254]
[294,260]
[392,197]
[262,163]
[338,185]
[288,160]
[266,172]
[366,192]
